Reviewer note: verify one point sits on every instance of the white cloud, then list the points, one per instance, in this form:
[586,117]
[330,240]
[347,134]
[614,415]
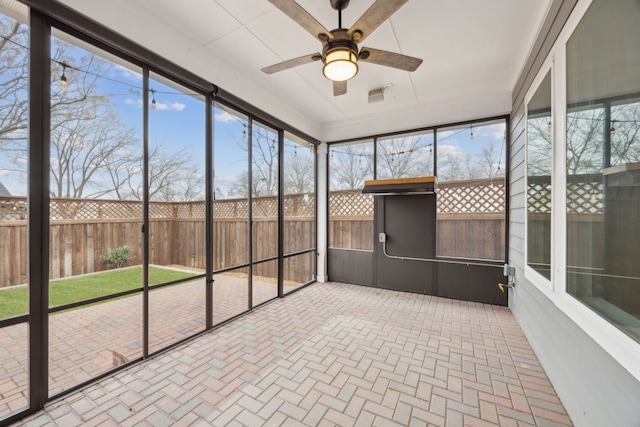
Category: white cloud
[171,106]
[134,102]
[224,117]
[160,106]
[495,131]
[450,150]
[127,73]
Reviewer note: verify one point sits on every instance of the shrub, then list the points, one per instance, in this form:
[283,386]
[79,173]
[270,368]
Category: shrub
[117,257]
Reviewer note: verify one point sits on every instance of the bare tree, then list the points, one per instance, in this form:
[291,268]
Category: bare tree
[488,165]
[240,187]
[404,157]
[539,146]
[93,152]
[13,92]
[264,163]
[172,177]
[584,141]
[349,166]
[299,174]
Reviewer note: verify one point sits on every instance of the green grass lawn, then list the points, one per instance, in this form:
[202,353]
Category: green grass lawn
[66,291]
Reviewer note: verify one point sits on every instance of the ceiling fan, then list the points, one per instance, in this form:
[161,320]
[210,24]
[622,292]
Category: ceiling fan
[340,53]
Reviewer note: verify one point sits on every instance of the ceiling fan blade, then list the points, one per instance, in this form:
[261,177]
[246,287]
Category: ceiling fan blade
[339,88]
[389,59]
[292,63]
[379,12]
[294,11]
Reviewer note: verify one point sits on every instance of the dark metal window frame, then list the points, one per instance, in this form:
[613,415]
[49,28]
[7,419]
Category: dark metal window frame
[45,15]
[434,129]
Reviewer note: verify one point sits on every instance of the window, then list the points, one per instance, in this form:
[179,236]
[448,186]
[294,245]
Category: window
[95,244]
[539,149]
[264,212]
[350,211]
[14,107]
[177,234]
[299,210]
[230,213]
[471,191]
[603,163]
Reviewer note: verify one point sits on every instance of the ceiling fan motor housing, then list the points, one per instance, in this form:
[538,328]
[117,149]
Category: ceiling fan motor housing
[339,4]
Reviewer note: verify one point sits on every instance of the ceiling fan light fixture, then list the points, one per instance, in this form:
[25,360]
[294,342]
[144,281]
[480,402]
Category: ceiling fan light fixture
[340,63]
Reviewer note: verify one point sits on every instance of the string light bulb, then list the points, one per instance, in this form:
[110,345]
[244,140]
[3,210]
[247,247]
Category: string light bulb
[295,151]
[471,136]
[612,131]
[549,125]
[244,131]
[63,77]
[154,104]
[273,145]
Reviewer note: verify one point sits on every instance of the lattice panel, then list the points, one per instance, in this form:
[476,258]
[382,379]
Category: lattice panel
[13,209]
[485,198]
[299,205]
[585,197]
[539,198]
[161,210]
[190,210]
[231,208]
[264,207]
[119,209]
[350,203]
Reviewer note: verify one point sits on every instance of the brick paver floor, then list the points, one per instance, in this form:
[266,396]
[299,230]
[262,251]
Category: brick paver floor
[333,354]
[82,342]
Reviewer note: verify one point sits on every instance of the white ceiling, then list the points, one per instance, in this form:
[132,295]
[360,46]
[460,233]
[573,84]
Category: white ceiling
[473,52]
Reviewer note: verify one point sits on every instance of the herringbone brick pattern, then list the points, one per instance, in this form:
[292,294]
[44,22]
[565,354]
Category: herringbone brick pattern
[334,354]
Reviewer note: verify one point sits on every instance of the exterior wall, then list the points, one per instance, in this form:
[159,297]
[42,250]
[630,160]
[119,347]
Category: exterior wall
[595,389]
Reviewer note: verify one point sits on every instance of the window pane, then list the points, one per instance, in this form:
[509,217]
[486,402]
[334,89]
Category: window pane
[603,163]
[14,376]
[176,210]
[539,138]
[264,211]
[14,68]
[298,270]
[230,213]
[264,281]
[230,294]
[471,191]
[95,212]
[405,156]
[299,210]
[350,211]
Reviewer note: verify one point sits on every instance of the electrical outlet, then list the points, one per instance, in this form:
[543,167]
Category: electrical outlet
[509,270]
[382,237]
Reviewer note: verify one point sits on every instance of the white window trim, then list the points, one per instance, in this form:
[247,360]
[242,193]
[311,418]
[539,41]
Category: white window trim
[534,277]
[624,349]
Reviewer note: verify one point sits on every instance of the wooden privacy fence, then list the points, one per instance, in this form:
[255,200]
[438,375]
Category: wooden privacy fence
[470,219]
[470,225]
[81,231]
